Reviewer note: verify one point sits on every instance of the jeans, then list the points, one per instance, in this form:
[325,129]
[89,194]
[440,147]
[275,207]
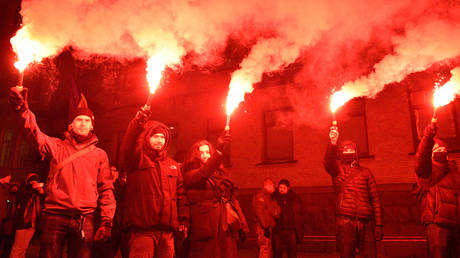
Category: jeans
[355,235]
[443,241]
[78,231]
[21,242]
[285,241]
[151,243]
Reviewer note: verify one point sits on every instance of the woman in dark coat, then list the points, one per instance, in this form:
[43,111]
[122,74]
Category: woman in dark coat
[216,216]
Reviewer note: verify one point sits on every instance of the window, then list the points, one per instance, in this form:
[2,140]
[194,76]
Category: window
[278,136]
[6,147]
[351,120]
[421,112]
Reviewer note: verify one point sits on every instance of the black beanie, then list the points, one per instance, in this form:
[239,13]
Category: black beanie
[284,182]
[82,112]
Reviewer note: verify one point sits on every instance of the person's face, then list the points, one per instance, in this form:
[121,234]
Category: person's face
[157,141]
[205,153]
[439,153]
[114,173]
[269,187]
[13,189]
[283,189]
[5,180]
[82,125]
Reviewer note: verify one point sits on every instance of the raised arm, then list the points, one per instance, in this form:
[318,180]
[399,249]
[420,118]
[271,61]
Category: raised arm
[197,177]
[129,156]
[26,120]
[423,155]
[330,158]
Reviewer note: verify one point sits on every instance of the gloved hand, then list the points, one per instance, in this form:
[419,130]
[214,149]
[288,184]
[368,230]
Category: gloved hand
[104,231]
[142,116]
[267,232]
[184,230]
[334,134]
[242,235]
[223,141]
[431,130]
[378,233]
[18,99]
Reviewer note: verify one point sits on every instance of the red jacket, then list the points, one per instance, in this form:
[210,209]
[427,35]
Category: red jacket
[154,197]
[80,186]
[355,187]
[438,187]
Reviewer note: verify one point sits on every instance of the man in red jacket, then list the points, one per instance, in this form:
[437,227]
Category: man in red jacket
[358,211]
[155,203]
[438,194]
[78,182]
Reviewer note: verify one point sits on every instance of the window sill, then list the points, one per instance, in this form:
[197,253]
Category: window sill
[263,163]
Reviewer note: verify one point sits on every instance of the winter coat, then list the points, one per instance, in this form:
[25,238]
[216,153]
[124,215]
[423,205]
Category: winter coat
[266,208]
[355,187]
[80,186]
[154,196]
[291,214]
[210,194]
[438,187]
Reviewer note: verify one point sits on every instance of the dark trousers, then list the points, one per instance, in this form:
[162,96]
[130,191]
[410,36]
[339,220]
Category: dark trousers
[355,235]
[78,231]
[151,243]
[443,241]
[284,241]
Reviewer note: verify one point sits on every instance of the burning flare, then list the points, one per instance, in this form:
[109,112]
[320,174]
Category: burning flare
[447,93]
[339,98]
[27,49]
[155,67]
[239,86]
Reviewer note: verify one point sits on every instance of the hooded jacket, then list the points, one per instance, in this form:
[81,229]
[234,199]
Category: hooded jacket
[80,186]
[438,187]
[154,197]
[355,188]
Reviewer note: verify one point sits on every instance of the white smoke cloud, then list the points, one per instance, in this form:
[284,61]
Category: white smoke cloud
[338,41]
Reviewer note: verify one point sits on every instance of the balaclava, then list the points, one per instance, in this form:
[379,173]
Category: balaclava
[439,152]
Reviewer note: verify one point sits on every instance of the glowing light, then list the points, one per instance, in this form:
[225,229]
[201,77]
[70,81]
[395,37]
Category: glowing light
[339,98]
[155,67]
[27,49]
[239,86]
[446,93]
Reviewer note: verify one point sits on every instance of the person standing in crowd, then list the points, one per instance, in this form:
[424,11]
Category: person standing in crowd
[216,216]
[359,215]
[155,204]
[267,210]
[8,192]
[289,228]
[28,208]
[119,240]
[78,182]
[438,191]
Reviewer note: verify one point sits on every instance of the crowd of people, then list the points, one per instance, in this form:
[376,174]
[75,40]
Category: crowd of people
[156,207]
